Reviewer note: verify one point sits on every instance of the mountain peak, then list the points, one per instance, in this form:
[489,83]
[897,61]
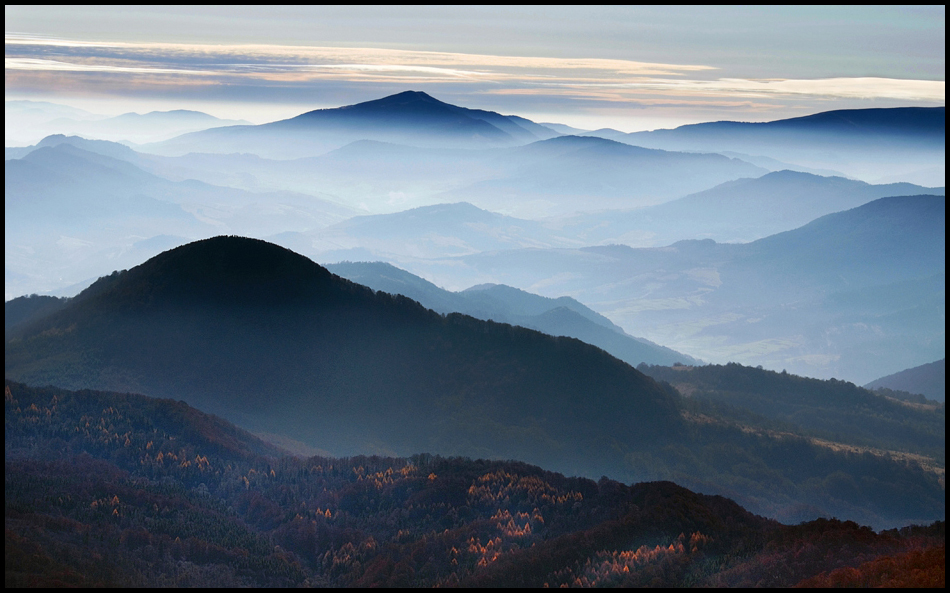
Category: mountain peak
[410,96]
[403,99]
[220,271]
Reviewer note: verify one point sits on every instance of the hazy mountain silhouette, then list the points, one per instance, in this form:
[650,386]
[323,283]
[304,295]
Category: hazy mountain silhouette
[259,334]
[557,317]
[554,176]
[564,129]
[564,174]
[410,117]
[776,165]
[427,232]
[371,175]
[148,127]
[898,125]
[928,379]
[740,210]
[74,211]
[81,173]
[66,185]
[847,295]
[520,166]
[175,116]
[575,173]
[27,122]
[606,133]
[103,147]
[871,143]
[34,119]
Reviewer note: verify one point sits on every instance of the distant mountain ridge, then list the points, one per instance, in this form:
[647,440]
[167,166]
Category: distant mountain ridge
[414,108]
[865,142]
[436,231]
[411,117]
[557,317]
[875,273]
[29,119]
[99,205]
[742,210]
[928,379]
[576,173]
[926,124]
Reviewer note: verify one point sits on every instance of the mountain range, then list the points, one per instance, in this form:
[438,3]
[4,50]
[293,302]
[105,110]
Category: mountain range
[546,177]
[744,209]
[427,232]
[736,211]
[850,294]
[274,342]
[557,317]
[410,117]
[221,410]
[867,143]
[29,121]
[104,212]
[334,351]
[79,208]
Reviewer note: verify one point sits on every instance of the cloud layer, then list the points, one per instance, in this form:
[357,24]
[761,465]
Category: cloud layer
[284,73]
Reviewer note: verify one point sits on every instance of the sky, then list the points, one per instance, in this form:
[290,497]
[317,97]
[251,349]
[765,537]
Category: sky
[628,68]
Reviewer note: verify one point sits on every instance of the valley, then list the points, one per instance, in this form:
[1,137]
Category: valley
[472,296]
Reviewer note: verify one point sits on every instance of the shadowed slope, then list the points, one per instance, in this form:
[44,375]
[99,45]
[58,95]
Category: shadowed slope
[272,340]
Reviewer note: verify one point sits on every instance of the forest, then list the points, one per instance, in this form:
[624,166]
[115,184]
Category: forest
[835,410]
[110,489]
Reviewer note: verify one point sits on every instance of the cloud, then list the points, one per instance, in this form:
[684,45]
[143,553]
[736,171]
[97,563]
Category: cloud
[333,75]
[277,58]
[852,88]
[38,64]
[24,39]
[598,78]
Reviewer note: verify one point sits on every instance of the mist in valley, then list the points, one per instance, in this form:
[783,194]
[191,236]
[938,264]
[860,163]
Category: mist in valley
[463,197]
[459,257]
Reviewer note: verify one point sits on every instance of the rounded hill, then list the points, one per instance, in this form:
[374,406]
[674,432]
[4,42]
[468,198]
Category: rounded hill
[276,343]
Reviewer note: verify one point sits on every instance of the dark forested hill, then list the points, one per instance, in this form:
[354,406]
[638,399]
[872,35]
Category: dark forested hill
[268,338]
[26,308]
[107,489]
[834,410]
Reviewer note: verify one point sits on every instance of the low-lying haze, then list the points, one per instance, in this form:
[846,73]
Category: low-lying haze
[505,145]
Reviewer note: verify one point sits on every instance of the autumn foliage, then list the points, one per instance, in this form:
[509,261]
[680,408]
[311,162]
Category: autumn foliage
[106,489]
